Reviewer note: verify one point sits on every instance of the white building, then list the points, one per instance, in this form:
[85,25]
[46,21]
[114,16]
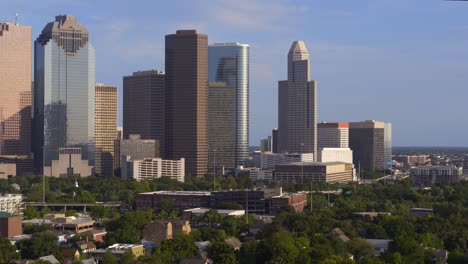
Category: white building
[11,203]
[261,174]
[153,168]
[336,154]
[269,160]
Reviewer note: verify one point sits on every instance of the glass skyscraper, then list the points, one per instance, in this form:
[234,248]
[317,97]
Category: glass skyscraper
[229,63]
[64,96]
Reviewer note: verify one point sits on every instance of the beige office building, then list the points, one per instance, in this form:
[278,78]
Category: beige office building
[314,171]
[69,164]
[105,128]
[15,89]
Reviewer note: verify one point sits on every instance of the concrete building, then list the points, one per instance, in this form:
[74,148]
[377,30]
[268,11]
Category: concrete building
[297,106]
[152,168]
[223,212]
[366,140]
[266,144]
[144,106]
[428,175]
[64,91]
[180,200]
[315,171]
[7,170]
[221,126]
[412,159]
[269,160]
[333,135]
[297,200]
[11,203]
[106,128]
[186,131]
[336,154]
[15,89]
[118,250]
[69,164]
[229,63]
[136,148]
[10,225]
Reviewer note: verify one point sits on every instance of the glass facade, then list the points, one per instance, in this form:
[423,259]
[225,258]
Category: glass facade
[64,93]
[229,63]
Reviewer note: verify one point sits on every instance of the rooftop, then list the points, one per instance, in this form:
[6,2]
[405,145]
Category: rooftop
[178,193]
[313,163]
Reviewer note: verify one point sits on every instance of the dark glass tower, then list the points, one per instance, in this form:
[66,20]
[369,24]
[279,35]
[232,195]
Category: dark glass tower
[64,91]
[229,63]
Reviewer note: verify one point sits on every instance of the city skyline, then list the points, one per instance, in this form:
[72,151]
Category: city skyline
[346,69]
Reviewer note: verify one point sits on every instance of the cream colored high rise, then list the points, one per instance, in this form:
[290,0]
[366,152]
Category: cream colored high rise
[15,89]
[106,128]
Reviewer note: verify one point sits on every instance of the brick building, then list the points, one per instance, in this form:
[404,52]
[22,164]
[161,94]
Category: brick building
[10,225]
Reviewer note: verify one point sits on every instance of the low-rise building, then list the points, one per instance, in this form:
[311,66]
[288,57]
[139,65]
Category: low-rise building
[159,230]
[62,223]
[423,212]
[152,168]
[428,175]
[180,200]
[297,200]
[261,174]
[269,160]
[117,250]
[314,171]
[222,212]
[368,216]
[10,225]
[380,245]
[336,154]
[11,203]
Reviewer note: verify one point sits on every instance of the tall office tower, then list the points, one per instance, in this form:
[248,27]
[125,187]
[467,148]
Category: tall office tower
[144,105]
[229,63]
[332,135]
[297,117]
[64,91]
[221,126]
[187,100]
[15,89]
[106,128]
[388,144]
[366,140]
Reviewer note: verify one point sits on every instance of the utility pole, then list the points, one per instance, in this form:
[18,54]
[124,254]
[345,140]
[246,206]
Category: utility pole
[311,202]
[302,162]
[214,169]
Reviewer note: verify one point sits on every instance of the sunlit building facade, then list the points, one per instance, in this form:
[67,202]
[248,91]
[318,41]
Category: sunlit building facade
[15,89]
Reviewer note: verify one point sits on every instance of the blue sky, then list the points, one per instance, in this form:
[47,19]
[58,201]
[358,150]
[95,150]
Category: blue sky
[400,61]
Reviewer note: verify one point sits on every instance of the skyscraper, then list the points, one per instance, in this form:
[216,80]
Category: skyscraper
[187,100]
[297,106]
[366,140]
[15,89]
[229,63]
[144,105]
[221,126]
[64,91]
[106,128]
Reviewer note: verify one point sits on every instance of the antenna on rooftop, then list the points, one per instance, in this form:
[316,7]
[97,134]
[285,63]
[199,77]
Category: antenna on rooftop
[16,19]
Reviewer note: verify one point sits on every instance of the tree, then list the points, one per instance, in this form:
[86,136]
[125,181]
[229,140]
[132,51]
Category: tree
[128,258]
[360,248]
[7,251]
[282,247]
[40,244]
[109,258]
[221,252]
[247,253]
[179,247]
